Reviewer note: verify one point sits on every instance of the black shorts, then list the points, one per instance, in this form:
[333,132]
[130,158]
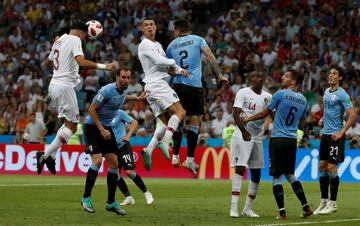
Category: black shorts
[282,156]
[126,158]
[330,150]
[191,98]
[95,143]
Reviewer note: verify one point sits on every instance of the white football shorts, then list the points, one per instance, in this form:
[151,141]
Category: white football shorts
[246,153]
[161,96]
[65,99]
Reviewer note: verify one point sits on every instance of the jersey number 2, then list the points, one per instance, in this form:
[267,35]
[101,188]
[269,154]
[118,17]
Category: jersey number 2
[184,55]
[291,116]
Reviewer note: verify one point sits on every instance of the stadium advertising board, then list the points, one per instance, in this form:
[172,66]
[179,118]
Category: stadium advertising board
[213,163]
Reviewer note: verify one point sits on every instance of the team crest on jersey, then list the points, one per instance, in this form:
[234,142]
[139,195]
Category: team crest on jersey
[266,101]
[100,97]
[333,97]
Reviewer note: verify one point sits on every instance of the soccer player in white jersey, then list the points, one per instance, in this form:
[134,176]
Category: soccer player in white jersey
[246,149]
[163,100]
[66,56]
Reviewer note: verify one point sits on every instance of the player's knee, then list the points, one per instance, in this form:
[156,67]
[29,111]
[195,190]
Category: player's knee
[331,168]
[96,160]
[181,114]
[255,175]
[240,170]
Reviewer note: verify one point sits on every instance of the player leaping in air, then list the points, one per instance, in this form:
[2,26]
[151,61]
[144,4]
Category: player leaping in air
[163,100]
[66,57]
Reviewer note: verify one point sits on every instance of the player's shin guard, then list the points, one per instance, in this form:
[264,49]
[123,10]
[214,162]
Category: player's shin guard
[235,191]
[90,180]
[111,183]
[251,195]
[61,138]
[278,191]
[123,186]
[334,185]
[192,138]
[138,181]
[172,125]
[299,191]
[177,137]
[158,136]
[324,185]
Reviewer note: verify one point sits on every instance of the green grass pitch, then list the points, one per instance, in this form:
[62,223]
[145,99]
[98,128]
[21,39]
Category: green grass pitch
[55,200]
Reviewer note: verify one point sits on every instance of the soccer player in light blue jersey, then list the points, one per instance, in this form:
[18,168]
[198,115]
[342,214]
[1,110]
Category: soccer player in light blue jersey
[186,50]
[290,107]
[100,140]
[125,156]
[336,103]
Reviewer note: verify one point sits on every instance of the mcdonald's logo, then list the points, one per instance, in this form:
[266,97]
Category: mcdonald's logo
[218,161]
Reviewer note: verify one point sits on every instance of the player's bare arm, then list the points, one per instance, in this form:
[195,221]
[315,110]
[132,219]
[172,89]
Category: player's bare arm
[214,65]
[92,65]
[350,122]
[262,114]
[131,131]
[93,112]
[142,96]
[245,134]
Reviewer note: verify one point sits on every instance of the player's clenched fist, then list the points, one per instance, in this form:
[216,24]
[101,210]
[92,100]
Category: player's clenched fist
[111,67]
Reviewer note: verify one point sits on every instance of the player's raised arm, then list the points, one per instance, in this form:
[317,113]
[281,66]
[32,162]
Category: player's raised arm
[214,65]
[92,65]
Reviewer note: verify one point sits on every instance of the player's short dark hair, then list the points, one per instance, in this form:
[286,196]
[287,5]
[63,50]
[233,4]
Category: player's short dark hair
[181,25]
[339,69]
[148,18]
[79,26]
[295,75]
[257,72]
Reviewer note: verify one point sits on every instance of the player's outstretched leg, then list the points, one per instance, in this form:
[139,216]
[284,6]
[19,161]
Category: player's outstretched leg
[299,191]
[172,126]
[147,152]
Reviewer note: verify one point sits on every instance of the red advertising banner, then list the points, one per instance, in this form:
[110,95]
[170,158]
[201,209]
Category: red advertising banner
[72,161]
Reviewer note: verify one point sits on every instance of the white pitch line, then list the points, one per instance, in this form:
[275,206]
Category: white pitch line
[54,184]
[312,222]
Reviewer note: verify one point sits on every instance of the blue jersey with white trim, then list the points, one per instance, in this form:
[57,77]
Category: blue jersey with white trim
[186,51]
[109,100]
[290,107]
[335,104]
[118,126]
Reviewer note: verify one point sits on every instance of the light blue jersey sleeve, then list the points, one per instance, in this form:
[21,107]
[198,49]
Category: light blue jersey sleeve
[345,100]
[118,126]
[101,97]
[275,100]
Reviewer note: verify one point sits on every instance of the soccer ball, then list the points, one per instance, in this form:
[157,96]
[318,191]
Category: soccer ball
[95,29]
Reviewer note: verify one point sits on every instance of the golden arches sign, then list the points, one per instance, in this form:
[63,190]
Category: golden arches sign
[218,161]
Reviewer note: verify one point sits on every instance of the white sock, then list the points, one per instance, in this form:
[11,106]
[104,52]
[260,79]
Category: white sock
[158,135]
[252,191]
[323,201]
[172,126]
[190,159]
[235,191]
[175,156]
[62,137]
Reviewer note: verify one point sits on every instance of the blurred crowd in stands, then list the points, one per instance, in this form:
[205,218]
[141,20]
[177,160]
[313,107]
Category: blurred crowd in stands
[308,35]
